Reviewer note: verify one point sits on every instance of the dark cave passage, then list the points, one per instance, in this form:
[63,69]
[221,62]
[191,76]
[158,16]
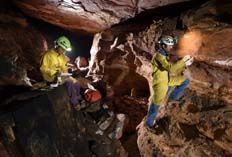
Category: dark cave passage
[81,42]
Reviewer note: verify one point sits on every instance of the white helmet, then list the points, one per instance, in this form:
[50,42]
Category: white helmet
[167,40]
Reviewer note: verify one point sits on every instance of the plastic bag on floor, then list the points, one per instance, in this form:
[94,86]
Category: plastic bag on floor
[117,133]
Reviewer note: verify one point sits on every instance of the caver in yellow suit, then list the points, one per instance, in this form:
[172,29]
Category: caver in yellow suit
[54,62]
[165,75]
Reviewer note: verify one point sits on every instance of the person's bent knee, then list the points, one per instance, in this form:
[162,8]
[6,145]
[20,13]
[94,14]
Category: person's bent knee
[186,82]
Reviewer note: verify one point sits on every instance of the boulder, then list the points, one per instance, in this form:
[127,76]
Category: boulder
[43,123]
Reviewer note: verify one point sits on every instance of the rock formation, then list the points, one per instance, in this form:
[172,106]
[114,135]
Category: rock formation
[200,124]
[21,46]
[43,123]
[40,122]
[202,120]
[90,16]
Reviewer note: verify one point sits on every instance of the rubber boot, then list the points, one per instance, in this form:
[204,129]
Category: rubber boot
[151,115]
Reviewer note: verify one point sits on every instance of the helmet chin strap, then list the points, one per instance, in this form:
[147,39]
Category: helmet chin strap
[59,50]
[163,51]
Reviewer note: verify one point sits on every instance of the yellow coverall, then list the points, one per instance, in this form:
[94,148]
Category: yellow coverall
[52,62]
[165,74]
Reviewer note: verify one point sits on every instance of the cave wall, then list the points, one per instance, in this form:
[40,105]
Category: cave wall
[20,50]
[200,125]
[130,50]
[211,75]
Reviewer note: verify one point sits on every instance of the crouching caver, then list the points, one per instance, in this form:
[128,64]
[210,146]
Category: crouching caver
[54,62]
[165,75]
[89,100]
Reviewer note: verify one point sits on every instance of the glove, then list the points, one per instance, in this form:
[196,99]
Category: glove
[188,60]
[59,80]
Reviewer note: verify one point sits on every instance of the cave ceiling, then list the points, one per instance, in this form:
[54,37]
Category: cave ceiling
[88,15]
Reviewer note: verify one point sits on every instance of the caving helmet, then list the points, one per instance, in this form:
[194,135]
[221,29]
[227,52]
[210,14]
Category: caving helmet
[64,43]
[167,40]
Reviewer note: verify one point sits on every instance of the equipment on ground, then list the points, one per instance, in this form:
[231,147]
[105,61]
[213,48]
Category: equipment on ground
[92,95]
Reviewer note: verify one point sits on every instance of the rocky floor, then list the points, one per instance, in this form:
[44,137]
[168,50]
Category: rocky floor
[197,126]
[43,123]
[135,109]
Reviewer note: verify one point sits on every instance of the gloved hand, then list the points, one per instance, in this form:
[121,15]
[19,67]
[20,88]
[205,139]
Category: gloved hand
[58,77]
[188,60]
